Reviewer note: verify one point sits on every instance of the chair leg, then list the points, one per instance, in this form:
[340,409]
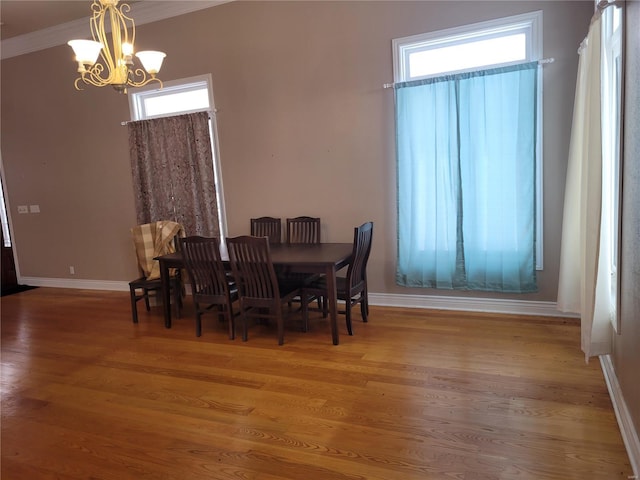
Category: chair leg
[232,323]
[134,308]
[366,302]
[177,297]
[280,322]
[364,310]
[245,327]
[198,320]
[178,309]
[145,292]
[304,300]
[348,314]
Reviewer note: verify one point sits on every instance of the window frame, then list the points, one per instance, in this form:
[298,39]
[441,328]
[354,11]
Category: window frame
[529,23]
[612,107]
[4,216]
[137,97]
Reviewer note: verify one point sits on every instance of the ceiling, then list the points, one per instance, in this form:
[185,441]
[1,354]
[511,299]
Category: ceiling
[32,25]
[19,16]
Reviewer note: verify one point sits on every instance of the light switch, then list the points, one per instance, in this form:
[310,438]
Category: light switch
[23,209]
[34,208]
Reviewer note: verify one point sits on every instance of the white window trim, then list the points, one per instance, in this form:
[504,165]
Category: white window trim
[137,95]
[612,101]
[4,212]
[402,47]
[136,109]
[531,22]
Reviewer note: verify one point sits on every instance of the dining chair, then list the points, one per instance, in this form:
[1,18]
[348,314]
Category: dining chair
[211,286]
[262,294]
[351,289]
[267,227]
[303,230]
[152,240]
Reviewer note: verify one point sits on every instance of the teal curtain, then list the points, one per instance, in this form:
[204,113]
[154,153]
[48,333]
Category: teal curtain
[466,153]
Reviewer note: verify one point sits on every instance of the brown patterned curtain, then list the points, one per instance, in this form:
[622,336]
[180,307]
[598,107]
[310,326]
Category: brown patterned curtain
[172,168]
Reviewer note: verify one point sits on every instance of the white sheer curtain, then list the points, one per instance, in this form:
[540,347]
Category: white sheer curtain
[585,269]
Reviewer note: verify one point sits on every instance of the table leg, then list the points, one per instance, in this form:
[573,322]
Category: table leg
[332,298]
[166,293]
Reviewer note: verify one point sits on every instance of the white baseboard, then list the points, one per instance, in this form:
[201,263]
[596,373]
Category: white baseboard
[490,305]
[73,283]
[627,429]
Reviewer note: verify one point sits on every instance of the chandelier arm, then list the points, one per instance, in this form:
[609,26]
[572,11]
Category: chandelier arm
[123,10]
[144,79]
[146,82]
[138,73]
[77,83]
[94,77]
[95,81]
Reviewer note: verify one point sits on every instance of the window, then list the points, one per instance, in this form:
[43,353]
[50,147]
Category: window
[611,101]
[468,106]
[180,97]
[488,44]
[185,96]
[4,219]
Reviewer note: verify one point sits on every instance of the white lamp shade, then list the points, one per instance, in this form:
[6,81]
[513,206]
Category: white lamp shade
[151,60]
[86,51]
[127,49]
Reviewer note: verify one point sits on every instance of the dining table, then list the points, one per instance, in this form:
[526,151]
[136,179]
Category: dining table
[322,258]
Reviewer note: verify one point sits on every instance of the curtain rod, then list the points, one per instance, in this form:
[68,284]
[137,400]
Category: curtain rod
[210,112]
[540,62]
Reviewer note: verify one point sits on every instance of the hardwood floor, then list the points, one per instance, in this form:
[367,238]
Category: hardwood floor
[414,394]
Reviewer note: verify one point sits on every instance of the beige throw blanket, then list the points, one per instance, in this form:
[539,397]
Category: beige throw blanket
[152,240]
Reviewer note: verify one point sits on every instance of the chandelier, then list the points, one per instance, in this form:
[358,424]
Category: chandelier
[113,41]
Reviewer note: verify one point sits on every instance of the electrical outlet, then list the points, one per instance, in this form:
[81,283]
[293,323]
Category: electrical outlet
[23,209]
[72,270]
[34,208]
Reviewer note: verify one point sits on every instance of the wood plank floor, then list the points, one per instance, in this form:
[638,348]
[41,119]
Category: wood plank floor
[413,394]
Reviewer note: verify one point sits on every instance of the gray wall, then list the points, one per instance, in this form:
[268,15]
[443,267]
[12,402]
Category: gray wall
[305,128]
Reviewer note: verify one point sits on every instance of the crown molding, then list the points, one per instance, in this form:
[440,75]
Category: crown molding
[143,12]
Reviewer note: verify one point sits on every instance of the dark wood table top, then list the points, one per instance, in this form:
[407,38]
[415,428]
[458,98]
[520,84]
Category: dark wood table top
[284,254]
[311,255]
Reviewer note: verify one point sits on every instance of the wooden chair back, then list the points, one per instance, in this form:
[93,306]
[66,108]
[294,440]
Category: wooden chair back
[303,230]
[253,270]
[210,284]
[204,266]
[258,288]
[267,227]
[357,270]
[353,289]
